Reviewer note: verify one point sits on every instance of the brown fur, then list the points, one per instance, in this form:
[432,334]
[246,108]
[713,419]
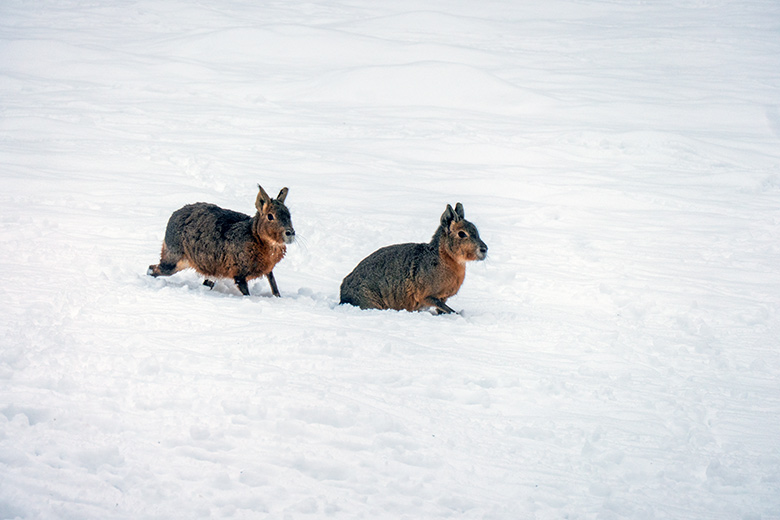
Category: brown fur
[221,243]
[417,276]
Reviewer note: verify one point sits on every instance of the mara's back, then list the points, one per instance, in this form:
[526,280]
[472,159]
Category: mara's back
[385,279]
[208,235]
[203,221]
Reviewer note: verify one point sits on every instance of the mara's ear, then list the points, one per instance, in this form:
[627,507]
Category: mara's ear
[459,211]
[282,195]
[447,217]
[262,199]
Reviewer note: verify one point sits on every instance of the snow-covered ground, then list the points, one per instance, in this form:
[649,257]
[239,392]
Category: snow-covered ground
[617,355]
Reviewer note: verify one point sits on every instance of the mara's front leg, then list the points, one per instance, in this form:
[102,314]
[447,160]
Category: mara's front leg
[242,286]
[272,283]
[441,307]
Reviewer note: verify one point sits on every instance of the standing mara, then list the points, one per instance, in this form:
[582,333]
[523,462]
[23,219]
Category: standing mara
[221,243]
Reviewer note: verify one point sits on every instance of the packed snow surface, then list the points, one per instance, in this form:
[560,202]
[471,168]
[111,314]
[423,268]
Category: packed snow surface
[616,356]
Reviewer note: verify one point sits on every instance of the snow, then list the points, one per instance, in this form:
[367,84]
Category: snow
[616,355]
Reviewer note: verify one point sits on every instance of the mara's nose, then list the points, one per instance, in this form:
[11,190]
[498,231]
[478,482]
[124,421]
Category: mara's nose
[483,248]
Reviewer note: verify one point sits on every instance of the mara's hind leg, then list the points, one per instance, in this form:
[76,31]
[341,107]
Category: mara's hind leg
[162,269]
[169,264]
[272,283]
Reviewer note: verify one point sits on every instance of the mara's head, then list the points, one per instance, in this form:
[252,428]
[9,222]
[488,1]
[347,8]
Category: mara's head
[460,236]
[274,220]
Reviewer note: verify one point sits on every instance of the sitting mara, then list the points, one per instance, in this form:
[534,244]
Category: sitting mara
[417,276]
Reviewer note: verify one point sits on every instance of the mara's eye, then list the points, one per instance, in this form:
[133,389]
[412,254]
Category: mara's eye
[462,234]
[270,217]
